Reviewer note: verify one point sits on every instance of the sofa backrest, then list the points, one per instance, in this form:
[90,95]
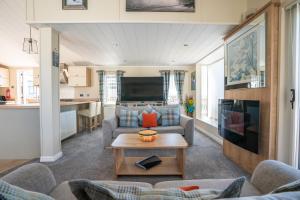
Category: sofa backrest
[271,174]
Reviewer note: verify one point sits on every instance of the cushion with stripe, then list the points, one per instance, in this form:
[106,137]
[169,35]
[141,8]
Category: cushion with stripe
[170,116]
[129,118]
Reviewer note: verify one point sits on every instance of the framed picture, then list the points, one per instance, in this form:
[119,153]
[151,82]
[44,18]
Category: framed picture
[74,4]
[193,81]
[245,56]
[160,5]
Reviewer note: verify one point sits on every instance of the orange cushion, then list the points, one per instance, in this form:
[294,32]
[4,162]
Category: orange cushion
[149,120]
[190,188]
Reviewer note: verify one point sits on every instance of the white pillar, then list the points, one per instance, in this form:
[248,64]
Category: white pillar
[49,101]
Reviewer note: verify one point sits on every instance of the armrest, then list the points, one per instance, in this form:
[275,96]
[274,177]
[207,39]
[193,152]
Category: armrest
[271,174]
[188,124]
[34,177]
[108,127]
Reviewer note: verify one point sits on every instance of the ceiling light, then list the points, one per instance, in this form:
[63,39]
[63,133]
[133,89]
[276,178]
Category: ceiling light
[30,45]
[115,44]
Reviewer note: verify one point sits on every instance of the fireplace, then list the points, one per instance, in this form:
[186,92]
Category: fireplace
[238,122]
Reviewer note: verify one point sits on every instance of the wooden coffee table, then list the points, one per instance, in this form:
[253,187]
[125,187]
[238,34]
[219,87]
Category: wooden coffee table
[169,165]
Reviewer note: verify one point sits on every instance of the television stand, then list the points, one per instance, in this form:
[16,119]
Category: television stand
[141,103]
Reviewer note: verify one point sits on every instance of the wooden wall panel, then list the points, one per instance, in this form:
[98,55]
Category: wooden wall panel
[267,97]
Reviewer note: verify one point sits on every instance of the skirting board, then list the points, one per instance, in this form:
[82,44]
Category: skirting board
[212,136]
[51,158]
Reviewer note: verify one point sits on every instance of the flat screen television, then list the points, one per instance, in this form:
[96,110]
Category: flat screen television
[239,123]
[142,89]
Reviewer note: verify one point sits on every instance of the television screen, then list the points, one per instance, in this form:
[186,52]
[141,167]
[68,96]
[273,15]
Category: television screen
[142,89]
[238,122]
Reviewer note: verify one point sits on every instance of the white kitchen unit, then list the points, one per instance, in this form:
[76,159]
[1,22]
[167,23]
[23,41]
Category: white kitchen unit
[79,76]
[4,77]
[68,124]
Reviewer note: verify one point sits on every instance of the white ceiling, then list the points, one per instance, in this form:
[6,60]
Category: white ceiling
[137,44]
[110,44]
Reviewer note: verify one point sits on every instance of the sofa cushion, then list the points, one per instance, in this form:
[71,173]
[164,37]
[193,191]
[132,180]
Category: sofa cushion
[129,118]
[290,187]
[149,109]
[220,184]
[119,108]
[170,116]
[149,120]
[85,189]
[63,191]
[122,130]
[169,129]
[11,192]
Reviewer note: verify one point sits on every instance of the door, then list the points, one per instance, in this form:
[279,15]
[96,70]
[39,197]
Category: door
[289,99]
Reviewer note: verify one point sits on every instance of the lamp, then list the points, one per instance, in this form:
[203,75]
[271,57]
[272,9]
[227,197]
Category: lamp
[30,45]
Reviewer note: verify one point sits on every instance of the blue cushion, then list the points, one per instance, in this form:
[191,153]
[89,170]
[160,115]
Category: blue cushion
[170,116]
[129,118]
[10,192]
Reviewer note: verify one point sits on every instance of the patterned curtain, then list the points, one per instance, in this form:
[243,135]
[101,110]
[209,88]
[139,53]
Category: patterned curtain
[179,81]
[166,75]
[119,74]
[101,75]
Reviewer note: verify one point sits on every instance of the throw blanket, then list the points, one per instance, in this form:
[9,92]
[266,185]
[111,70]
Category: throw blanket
[87,190]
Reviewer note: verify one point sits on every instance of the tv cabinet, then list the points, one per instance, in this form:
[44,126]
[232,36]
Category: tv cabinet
[141,103]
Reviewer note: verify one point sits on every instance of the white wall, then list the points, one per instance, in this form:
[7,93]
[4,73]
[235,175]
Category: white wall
[93,91]
[207,11]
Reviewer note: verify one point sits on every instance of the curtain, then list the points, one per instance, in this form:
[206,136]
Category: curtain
[119,74]
[166,75]
[179,82]
[101,75]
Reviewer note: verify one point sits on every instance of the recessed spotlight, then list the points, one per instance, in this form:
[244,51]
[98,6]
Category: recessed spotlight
[116,44]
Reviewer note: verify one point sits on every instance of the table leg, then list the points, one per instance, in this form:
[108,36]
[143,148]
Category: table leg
[118,157]
[180,155]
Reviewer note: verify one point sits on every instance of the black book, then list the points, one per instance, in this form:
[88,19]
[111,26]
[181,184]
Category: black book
[148,162]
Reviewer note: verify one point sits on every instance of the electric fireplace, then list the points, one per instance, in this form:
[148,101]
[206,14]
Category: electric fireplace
[238,122]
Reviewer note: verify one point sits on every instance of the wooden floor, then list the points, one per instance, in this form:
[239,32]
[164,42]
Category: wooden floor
[10,164]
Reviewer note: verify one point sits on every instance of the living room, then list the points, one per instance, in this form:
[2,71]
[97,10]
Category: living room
[153,99]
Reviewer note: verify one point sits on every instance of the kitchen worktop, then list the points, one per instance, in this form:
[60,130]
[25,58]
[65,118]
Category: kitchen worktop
[37,105]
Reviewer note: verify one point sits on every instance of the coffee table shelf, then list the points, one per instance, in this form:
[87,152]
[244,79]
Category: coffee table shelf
[169,166]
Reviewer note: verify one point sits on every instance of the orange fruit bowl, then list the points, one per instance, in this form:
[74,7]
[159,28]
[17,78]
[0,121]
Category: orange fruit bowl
[148,135]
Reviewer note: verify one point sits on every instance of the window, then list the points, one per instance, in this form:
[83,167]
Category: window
[110,89]
[211,86]
[26,91]
[172,96]
[291,76]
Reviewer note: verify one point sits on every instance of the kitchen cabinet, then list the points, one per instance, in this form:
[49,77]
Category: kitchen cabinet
[36,76]
[68,124]
[4,77]
[79,76]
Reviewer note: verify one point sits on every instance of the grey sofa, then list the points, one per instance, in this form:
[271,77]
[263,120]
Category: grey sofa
[111,127]
[267,176]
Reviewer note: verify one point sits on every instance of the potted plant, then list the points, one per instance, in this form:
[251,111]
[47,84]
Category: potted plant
[189,105]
